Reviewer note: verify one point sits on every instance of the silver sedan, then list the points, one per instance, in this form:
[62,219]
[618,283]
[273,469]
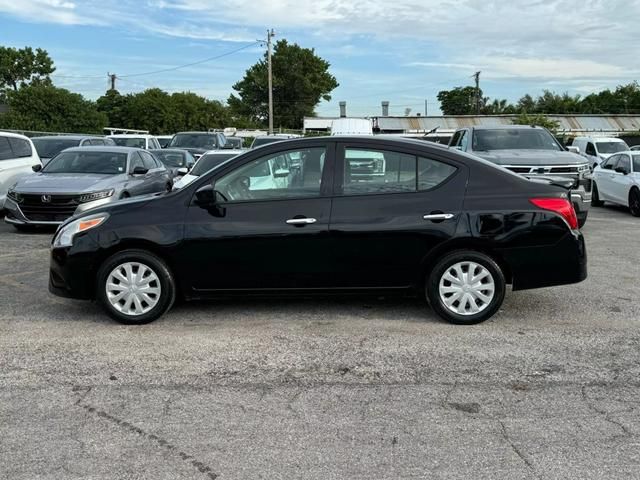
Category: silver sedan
[78,179]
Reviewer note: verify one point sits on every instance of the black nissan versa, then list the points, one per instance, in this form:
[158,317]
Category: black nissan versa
[291,218]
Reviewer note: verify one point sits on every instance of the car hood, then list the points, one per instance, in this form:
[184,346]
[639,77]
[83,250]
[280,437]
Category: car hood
[531,157]
[66,183]
[196,151]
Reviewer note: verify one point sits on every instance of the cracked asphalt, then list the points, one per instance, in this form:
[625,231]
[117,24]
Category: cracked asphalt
[325,389]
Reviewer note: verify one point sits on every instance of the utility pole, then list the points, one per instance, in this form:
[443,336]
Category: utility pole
[270,35]
[425,108]
[477,77]
[112,80]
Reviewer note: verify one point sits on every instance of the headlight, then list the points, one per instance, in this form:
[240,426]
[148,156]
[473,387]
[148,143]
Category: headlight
[90,197]
[584,167]
[15,196]
[64,236]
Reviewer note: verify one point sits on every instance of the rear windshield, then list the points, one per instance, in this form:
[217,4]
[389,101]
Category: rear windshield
[104,163]
[50,147]
[194,140]
[514,139]
[129,142]
[207,162]
[611,147]
[171,159]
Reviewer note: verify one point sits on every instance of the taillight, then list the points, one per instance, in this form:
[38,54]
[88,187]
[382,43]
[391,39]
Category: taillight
[561,206]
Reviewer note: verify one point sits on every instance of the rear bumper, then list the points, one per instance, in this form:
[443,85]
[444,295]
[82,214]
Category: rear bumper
[546,266]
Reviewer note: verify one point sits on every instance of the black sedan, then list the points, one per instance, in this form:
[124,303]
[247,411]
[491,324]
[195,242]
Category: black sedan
[291,218]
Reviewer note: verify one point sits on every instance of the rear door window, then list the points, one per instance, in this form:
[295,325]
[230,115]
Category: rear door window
[20,147]
[432,173]
[5,149]
[369,172]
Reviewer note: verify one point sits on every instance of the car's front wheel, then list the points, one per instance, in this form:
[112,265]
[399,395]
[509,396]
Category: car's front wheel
[135,287]
[465,287]
[634,202]
[595,196]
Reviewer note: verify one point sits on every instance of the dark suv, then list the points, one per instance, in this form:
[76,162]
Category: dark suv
[533,152]
[197,143]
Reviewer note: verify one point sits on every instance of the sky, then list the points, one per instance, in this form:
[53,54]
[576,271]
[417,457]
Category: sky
[403,51]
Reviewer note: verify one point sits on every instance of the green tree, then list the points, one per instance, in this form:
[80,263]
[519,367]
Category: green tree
[300,80]
[47,108]
[458,101]
[114,106]
[538,120]
[23,66]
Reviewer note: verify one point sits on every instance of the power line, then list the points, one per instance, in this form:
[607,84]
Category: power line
[192,63]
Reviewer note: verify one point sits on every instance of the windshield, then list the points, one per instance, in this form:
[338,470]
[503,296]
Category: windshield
[235,141]
[50,147]
[194,140]
[514,139]
[259,141]
[129,142]
[104,163]
[611,147]
[170,159]
[207,162]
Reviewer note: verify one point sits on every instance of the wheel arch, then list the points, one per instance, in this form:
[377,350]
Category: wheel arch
[458,244]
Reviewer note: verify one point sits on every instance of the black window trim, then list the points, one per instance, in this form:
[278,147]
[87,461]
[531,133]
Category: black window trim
[326,182]
[338,180]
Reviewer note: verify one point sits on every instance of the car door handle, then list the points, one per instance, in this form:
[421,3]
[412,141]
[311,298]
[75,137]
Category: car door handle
[439,216]
[301,221]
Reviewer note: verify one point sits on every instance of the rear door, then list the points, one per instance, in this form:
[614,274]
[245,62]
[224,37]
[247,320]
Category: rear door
[621,180]
[605,178]
[383,226]
[157,176]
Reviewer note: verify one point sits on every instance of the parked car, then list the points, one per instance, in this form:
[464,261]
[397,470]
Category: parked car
[235,142]
[147,142]
[49,146]
[596,149]
[532,152]
[17,157]
[617,180]
[261,140]
[177,161]
[81,178]
[206,162]
[441,224]
[198,142]
[164,140]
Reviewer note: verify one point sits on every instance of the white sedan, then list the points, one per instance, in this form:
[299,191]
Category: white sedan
[617,180]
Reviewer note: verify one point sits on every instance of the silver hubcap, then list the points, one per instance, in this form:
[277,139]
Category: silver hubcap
[133,288]
[466,288]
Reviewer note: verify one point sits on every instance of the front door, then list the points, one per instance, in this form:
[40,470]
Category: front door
[386,218]
[621,181]
[269,228]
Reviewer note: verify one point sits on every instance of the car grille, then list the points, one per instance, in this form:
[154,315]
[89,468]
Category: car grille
[544,170]
[57,209]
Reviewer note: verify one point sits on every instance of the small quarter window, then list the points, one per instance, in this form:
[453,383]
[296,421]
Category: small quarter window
[432,173]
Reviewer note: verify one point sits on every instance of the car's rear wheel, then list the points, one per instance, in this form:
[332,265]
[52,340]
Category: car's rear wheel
[634,202]
[466,287]
[135,287]
[595,196]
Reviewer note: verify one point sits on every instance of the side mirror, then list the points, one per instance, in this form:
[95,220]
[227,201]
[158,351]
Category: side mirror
[621,170]
[281,173]
[205,196]
[227,146]
[36,168]
[182,171]
[139,171]
[573,149]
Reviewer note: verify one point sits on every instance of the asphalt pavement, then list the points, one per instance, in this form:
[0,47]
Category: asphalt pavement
[364,388]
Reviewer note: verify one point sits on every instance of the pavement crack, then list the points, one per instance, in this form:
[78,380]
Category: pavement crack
[158,440]
[604,414]
[516,450]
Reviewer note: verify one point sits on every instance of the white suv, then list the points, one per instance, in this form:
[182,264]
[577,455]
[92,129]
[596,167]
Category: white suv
[148,142]
[17,156]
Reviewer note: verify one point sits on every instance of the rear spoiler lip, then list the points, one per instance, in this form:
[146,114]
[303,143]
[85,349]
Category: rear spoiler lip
[564,182]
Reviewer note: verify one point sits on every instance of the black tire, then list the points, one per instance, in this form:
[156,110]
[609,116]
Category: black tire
[595,197]
[158,266]
[125,195]
[634,202]
[446,263]
[582,219]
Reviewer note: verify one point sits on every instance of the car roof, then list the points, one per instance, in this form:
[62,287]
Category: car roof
[14,135]
[68,137]
[507,127]
[278,135]
[169,150]
[106,149]
[208,133]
